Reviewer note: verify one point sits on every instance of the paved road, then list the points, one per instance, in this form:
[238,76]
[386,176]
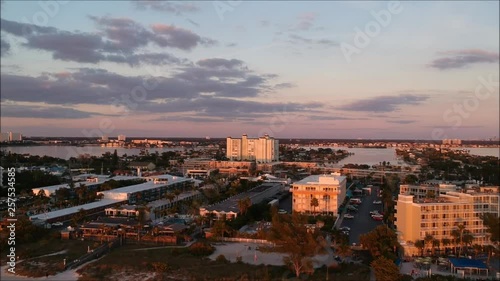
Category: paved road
[362,222]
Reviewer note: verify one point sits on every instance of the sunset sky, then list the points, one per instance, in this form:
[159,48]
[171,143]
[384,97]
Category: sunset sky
[428,70]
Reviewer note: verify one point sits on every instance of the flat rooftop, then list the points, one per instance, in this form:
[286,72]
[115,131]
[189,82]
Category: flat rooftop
[231,203]
[52,188]
[326,179]
[75,209]
[148,185]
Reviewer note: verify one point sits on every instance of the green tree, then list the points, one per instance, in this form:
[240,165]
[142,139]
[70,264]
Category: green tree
[492,223]
[382,241]
[435,244]
[385,269]
[458,234]
[290,235]
[428,240]
[411,179]
[314,204]
[244,204]
[420,244]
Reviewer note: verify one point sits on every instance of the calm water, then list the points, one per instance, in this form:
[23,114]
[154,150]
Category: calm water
[370,156]
[67,152]
[483,151]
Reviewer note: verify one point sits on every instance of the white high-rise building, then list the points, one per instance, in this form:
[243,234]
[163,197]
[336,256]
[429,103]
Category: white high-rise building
[122,137]
[104,138]
[263,149]
[15,136]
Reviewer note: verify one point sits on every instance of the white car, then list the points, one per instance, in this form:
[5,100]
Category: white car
[57,223]
[345,228]
[377,202]
[348,216]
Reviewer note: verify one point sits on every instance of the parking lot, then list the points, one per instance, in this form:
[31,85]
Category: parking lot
[362,221]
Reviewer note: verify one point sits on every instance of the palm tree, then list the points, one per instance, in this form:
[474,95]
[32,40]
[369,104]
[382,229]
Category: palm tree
[420,244]
[477,249]
[314,203]
[435,244]
[446,242]
[428,240]
[460,229]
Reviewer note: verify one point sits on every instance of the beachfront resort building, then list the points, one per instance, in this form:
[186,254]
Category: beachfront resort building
[440,216]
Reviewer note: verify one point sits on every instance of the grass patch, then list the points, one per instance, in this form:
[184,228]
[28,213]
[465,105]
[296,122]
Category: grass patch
[35,264]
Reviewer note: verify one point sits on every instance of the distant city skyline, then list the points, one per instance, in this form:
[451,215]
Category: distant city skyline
[335,70]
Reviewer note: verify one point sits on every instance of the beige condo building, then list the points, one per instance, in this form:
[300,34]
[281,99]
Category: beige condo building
[329,190]
[263,149]
[417,217]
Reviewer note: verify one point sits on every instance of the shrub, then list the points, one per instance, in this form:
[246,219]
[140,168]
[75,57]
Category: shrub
[221,258]
[159,267]
[201,249]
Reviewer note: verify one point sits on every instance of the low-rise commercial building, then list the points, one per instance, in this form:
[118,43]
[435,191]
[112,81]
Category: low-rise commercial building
[229,208]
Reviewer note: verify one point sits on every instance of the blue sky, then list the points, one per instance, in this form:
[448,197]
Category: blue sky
[219,68]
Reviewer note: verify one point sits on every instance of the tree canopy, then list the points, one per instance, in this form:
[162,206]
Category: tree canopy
[385,269]
[382,241]
[291,236]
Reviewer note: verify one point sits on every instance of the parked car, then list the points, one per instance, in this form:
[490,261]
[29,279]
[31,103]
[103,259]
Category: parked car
[345,228]
[377,202]
[281,211]
[57,223]
[351,208]
[374,212]
[348,216]
[378,218]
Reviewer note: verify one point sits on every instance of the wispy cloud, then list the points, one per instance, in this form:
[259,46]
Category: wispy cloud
[384,103]
[24,111]
[463,58]
[174,7]
[401,121]
[297,39]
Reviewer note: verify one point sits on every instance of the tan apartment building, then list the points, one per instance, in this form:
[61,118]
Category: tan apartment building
[417,217]
[263,149]
[329,190]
